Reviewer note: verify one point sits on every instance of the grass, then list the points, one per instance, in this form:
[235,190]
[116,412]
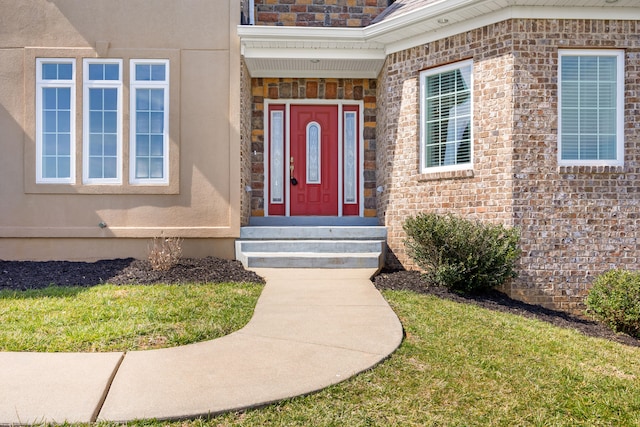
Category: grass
[122,318]
[462,365]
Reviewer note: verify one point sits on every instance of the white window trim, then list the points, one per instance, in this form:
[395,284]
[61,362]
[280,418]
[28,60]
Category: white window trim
[41,84]
[423,114]
[146,84]
[619,54]
[89,84]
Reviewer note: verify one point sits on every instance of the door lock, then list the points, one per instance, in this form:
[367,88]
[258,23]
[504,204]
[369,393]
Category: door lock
[293,180]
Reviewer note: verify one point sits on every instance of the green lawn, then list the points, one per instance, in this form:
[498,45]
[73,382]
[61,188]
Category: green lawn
[461,365]
[119,318]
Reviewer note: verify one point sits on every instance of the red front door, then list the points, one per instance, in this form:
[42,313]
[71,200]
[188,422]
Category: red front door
[314,158]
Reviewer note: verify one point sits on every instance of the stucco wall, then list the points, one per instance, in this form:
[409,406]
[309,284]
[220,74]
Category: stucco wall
[202,200]
[576,222]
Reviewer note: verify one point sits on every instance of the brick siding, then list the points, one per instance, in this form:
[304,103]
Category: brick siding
[576,222]
[580,221]
[305,89]
[318,13]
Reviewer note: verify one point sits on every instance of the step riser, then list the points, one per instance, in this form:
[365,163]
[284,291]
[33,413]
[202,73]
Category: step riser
[322,246]
[313,233]
[306,262]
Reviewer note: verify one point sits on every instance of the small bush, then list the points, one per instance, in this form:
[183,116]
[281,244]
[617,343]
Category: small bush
[614,299]
[462,255]
[165,252]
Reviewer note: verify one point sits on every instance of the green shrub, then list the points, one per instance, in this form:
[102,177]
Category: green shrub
[614,299]
[462,255]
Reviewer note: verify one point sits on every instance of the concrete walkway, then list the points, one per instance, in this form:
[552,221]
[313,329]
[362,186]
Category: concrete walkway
[311,329]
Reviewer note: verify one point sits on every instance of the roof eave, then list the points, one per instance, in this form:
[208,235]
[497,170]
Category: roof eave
[276,51]
[310,52]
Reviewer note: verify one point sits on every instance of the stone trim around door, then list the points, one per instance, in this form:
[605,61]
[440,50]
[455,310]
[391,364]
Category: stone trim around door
[307,90]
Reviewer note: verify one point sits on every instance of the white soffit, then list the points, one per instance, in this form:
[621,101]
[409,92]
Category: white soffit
[271,51]
[310,52]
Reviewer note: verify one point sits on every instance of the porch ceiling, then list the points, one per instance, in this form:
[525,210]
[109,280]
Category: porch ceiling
[310,52]
[271,51]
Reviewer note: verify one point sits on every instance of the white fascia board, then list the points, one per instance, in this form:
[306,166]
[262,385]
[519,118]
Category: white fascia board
[514,12]
[446,31]
[315,53]
[391,30]
[265,33]
[416,16]
[617,13]
[433,11]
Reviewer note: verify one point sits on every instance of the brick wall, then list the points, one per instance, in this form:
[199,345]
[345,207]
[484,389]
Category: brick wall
[318,13]
[304,89]
[576,222]
[485,192]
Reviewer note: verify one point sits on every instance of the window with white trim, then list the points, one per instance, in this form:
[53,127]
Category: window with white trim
[591,107]
[55,121]
[102,121]
[149,139]
[446,117]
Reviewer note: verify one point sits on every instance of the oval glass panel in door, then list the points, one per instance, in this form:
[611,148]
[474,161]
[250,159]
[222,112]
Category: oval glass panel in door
[313,153]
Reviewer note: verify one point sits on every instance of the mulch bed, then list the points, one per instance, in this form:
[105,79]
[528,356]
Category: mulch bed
[498,301]
[23,275]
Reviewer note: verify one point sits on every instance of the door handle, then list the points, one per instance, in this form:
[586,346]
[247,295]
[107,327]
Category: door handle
[293,180]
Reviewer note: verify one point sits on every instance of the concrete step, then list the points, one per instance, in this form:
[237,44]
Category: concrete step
[311,260]
[312,246]
[313,233]
[324,246]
